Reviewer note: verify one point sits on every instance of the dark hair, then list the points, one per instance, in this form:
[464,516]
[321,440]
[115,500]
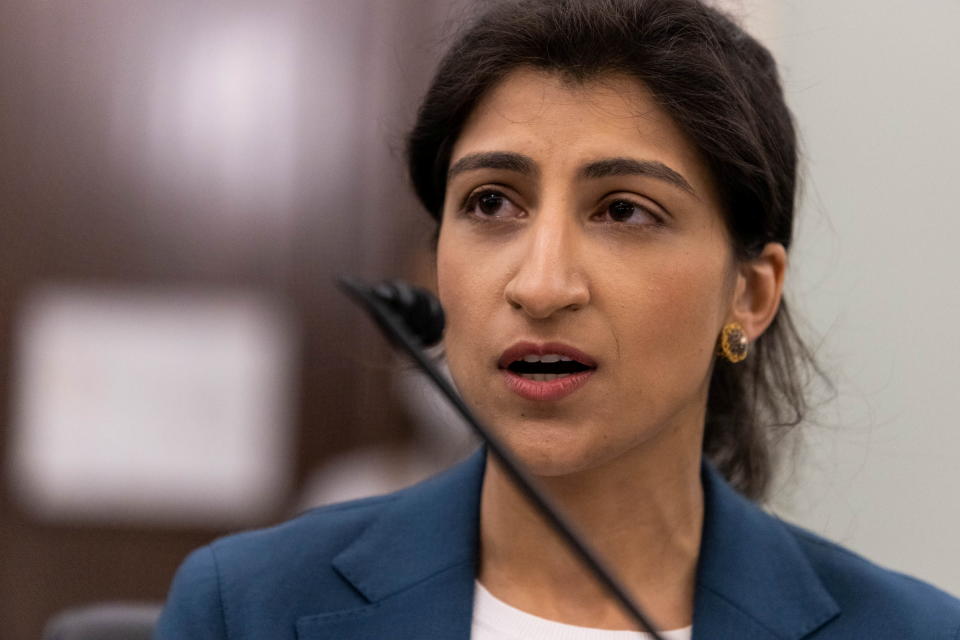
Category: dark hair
[723,90]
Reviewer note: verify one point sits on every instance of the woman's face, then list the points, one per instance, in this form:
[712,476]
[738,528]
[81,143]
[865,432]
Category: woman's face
[579,222]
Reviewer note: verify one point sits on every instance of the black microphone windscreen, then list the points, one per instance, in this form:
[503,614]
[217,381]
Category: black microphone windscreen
[420,309]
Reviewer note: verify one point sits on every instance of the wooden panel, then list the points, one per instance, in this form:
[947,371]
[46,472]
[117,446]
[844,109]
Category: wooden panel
[87,196]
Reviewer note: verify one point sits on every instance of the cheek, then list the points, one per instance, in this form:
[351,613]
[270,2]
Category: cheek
[461,290]
[453,281]
[672,321]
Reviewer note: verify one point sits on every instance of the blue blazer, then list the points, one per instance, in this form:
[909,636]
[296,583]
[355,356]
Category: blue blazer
[402,567]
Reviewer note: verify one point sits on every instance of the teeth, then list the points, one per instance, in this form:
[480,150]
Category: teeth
[544,377]
[550,357]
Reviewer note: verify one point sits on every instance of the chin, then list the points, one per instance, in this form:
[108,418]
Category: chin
[551,450]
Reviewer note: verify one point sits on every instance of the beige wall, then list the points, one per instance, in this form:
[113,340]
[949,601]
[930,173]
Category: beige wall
[875,87]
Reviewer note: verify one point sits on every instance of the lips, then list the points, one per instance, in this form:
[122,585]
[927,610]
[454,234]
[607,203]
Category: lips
[574,369]
[521,349]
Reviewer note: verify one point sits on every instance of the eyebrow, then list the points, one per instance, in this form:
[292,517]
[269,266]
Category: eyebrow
[630,167]
[494,160]
[605,168]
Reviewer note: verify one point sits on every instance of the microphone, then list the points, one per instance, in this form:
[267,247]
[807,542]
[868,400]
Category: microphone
[419,309]
[412,318]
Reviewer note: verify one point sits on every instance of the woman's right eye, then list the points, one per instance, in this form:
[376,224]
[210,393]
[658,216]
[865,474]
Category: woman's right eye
[490,204]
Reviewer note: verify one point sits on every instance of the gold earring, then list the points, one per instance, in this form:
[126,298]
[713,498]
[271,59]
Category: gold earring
[733,344]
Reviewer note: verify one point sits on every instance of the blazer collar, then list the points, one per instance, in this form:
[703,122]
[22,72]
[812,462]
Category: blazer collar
[427,529]
[416,564]
[752,573]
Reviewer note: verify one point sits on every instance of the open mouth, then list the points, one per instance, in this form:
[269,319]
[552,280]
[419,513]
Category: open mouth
[545,372]
[546,367]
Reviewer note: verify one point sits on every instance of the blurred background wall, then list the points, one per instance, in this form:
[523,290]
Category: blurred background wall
[875,87]
[179,184]
[181,181]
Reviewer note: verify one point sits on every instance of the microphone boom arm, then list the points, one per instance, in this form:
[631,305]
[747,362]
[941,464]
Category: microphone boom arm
[402,337]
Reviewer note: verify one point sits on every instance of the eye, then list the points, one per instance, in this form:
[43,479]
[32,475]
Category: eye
[628,212]
[488,203]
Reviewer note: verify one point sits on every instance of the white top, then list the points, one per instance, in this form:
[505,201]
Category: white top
[496,620]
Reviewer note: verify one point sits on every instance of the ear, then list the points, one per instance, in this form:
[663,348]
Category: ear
[758,290]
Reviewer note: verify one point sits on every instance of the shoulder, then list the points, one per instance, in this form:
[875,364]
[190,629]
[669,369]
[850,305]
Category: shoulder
[315,535]
[229,584]
[257,584]
[791,581]
[893,603]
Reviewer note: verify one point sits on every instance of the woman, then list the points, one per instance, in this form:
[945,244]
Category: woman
[614,184]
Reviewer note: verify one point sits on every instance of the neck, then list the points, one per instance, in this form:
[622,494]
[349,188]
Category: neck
[643,513]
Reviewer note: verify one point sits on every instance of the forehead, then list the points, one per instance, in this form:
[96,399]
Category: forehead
[564,123]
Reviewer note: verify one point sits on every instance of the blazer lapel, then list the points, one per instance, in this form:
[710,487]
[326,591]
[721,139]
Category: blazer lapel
[753,579]
[415,565]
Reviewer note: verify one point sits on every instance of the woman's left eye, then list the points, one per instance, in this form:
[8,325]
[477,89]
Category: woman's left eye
[629,212]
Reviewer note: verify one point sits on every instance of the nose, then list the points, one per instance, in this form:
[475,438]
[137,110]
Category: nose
[548,277]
